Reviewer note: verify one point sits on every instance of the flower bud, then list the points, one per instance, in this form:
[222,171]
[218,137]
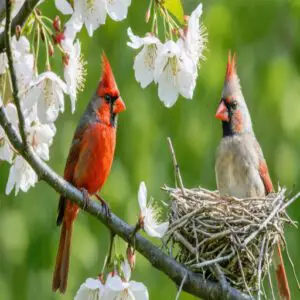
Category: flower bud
[131,257]
[57,38]
[18,31]
[56,24]
[50,49]
[148,15]
[65,59]
[186,19]
[38,11]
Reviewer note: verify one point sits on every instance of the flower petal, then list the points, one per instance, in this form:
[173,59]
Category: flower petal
[115,283]
[126,270]
[142,196]
[136,41]
[64,7]
[139,290]
[143,73]
[91,289]
[117,9]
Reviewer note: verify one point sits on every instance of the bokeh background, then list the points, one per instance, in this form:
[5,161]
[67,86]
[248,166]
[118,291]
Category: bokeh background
[265,34]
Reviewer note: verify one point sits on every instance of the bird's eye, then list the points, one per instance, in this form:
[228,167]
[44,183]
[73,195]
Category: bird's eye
[107,97]
[233,105]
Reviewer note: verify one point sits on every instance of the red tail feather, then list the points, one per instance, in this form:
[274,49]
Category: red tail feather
[282,281]
[60,275]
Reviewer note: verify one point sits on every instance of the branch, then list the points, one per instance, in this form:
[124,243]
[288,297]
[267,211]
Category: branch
[191,282]
[9,54]
[20,18]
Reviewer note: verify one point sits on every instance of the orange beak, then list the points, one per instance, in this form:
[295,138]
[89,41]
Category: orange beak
[119,106]
[222,112]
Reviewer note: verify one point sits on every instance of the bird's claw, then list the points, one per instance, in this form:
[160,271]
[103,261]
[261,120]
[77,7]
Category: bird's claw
[86,198]
[105,206]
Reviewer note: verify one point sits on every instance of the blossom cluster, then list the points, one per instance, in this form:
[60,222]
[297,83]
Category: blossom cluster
[117,286]
[93,13]
[42,94]
[172,65]
[41,100]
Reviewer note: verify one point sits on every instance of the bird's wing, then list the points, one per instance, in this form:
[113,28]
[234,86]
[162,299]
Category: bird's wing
[265,176]
[263,168]
[69,170]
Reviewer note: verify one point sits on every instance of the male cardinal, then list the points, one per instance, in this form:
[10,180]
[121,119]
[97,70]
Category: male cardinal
[241,169]
[89,161]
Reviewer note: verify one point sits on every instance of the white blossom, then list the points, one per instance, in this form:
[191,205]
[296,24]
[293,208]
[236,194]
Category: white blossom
[175,72]
[149,215]
[23,62]
[72,27]
[74,72]
[124,288]
[47,92]
[40,137]
[21,176]
[144,62]
[64,7]
[92,13]
[117,9]
[195,36]
[6,151]
[91,289]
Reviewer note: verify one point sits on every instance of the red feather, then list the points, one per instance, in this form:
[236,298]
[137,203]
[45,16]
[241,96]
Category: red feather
[265,176]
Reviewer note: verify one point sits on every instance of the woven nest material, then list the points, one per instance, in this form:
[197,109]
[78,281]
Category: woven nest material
[233,237]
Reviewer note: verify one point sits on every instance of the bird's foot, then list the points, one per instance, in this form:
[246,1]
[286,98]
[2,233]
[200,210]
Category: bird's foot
[105,206]
[86,198]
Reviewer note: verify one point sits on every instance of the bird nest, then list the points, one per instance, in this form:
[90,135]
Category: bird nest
[228,237]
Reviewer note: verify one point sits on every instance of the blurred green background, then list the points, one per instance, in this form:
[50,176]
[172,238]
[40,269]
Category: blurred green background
[265,34]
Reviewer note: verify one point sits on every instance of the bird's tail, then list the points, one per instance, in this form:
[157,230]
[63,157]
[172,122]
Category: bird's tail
[282,281]
[60,275]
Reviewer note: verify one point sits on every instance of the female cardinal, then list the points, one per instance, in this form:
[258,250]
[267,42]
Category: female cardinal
[241,170]
[89,161]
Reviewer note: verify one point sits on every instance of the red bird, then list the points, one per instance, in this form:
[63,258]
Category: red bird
[241,169]
[89,161]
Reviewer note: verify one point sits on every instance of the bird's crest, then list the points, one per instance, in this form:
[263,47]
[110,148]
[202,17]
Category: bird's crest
[231,66]
[107,83]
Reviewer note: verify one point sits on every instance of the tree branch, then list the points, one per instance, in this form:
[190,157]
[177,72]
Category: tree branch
[192,282]
[9,54]
[20,18]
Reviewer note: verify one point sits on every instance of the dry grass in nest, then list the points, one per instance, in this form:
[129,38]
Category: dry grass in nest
[213,235]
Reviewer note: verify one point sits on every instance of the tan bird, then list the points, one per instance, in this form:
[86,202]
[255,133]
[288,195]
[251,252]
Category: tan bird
[241,169]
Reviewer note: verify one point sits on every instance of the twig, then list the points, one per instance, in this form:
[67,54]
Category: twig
[180,287]
[214,261]
[176,166]
[13,73]
[292,265]
[243,274]
[289,202]
[271,285]
[261,254]
[262,225]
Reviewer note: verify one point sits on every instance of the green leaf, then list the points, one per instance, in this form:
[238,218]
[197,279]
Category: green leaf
[175,8]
